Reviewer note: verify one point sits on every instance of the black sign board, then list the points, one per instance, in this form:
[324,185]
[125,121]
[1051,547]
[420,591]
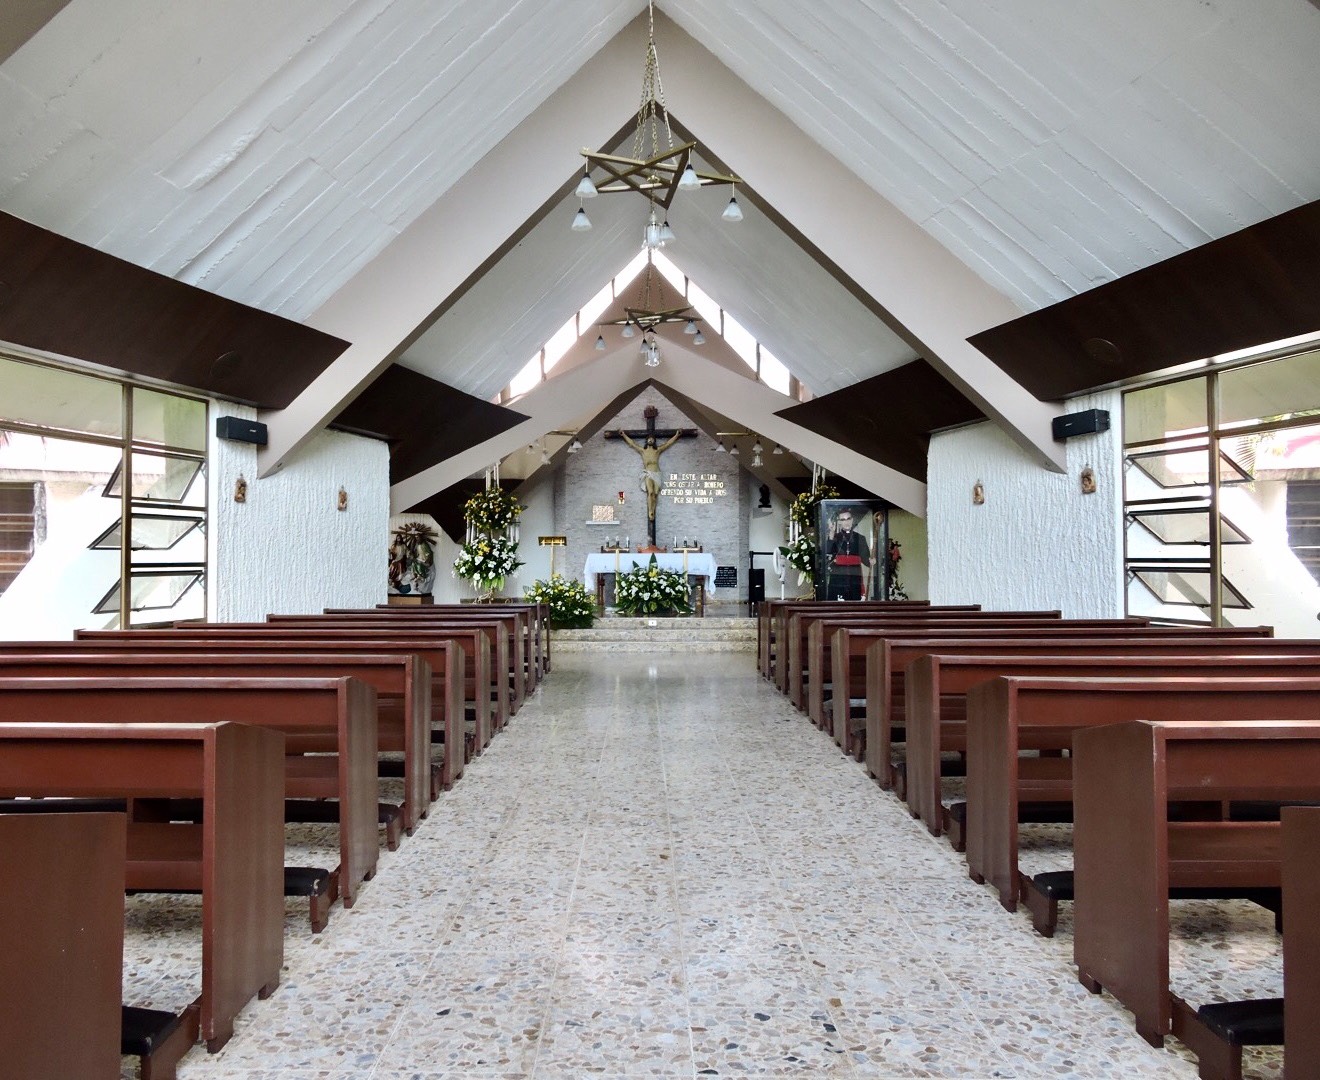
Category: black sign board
[726,577]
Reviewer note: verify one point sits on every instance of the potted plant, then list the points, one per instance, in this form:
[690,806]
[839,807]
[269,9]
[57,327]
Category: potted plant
[571,606]
[649,590]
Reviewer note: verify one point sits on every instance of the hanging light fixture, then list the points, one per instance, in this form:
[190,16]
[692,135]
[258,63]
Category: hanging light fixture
[691,327]
[653,235]
[720,449]
[700,339]
[581,223]
[777,450]
[600,342]
[574,446]
[658,166]
[545,454]
[756,446]
[756,458]
[734,451]
[585,189]
[646,318]
[732,212]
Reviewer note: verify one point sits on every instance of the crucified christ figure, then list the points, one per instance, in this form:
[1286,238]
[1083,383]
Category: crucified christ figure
[651,482]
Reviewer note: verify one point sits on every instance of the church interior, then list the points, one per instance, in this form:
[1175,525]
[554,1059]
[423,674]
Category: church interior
[739,478]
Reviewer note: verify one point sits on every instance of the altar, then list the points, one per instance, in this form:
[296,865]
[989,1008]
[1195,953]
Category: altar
[697,564]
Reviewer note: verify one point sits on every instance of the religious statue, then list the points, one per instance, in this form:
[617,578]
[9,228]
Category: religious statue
[651,480]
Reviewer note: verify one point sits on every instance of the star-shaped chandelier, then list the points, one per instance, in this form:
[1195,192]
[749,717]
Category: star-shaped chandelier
[645,318]
[658,167]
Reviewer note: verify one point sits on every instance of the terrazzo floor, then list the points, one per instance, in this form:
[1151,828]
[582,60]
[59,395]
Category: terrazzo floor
[660,869]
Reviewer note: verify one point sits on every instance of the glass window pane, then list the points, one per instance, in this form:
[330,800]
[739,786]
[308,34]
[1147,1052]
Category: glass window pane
[773,373]
[1164,412]
[51,397]
[1186,466]
[162,478]
[1185,587]
[151,532]
[168,420]
[1281,388]
[152,590]
[1184,526]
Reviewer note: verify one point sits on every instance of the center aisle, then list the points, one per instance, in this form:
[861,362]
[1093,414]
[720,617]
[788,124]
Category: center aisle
[651,873]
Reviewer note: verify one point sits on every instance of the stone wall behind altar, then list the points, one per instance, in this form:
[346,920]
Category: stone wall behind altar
[710,501]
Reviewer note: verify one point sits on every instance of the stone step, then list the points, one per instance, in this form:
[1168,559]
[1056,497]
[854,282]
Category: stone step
[663,630]
[650,646]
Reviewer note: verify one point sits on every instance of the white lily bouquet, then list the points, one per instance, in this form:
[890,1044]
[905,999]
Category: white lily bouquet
[649,590]
[486,561]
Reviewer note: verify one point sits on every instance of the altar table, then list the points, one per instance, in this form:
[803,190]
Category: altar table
[698,564]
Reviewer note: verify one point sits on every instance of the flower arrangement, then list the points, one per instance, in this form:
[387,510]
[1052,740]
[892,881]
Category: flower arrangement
[487,560]
[492,511]
[895,556]
[801,556]
[650,590]
[802,511]
[571,606]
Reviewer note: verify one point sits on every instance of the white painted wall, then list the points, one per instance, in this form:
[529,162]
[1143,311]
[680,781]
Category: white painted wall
[1037,541]
[289,548]
[914,569]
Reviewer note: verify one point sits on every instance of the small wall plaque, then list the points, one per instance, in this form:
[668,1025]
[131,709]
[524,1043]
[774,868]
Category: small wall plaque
[602,513]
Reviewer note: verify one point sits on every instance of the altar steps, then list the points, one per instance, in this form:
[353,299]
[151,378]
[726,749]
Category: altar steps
[617,634]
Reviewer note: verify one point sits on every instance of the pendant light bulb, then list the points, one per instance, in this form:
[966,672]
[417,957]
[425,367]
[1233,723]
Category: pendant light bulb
[777,450]
[699,339]
[581,223]
[691,327]
[666,234]
[721,448]
[600,342]
[689,179]
[734,451]
[628,330]
[585,189]
[732,212]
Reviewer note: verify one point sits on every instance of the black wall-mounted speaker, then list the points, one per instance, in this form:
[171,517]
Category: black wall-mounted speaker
[1087,422]
[237,429]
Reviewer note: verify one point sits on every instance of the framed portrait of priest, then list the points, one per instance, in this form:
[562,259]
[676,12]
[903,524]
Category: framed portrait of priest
[853,535]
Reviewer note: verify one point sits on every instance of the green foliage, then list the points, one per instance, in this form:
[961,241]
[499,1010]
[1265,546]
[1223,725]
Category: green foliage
[649,590]
[803,510]
[492,511]
[487,561]
[571,606]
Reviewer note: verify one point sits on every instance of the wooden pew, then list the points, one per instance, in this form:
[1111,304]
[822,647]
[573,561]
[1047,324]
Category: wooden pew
[429,645]
[332,719]
[1009,714]
[790,663]
[1301,939]
[937,685]
[824,632]
[508,654]
[235,858]
[538,623]
[61,944]
[403,684]
[1129,854]
[497,694]
[885,669]
[770,629]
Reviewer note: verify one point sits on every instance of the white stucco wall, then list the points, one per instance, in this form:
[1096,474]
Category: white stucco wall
[1037,541]
[289,548]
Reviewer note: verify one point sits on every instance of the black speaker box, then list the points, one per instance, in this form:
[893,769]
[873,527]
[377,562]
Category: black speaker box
[1087,422]
[240,430]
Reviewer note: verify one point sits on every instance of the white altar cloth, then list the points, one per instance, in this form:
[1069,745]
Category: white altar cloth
[696,563]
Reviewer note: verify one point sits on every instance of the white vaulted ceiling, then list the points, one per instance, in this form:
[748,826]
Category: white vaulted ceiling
[279,154]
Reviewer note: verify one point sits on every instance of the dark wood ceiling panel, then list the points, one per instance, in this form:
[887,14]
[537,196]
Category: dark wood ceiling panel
[22,19]
[447,506]
[424,420]
[1258,285]
[888,417]
[62,297]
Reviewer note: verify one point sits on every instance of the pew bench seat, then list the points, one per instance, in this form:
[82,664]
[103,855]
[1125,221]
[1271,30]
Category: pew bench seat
[1217,1032]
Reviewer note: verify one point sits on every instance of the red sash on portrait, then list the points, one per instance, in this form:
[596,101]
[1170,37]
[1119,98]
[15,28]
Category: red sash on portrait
[847,560]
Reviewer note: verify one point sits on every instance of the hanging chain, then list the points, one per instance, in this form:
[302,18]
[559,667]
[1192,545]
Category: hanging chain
[653,95]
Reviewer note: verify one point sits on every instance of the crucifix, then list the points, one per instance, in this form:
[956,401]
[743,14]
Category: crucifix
[651,448]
